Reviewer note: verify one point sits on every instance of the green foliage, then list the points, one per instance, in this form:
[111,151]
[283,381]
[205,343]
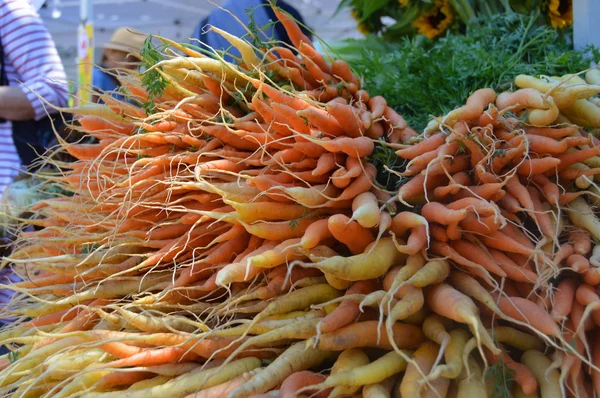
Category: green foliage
[256,34]
[503,378]
[89,248]
[13,356]
[294,222]
[422,78]
[55,190]
[154,83]
[385,156]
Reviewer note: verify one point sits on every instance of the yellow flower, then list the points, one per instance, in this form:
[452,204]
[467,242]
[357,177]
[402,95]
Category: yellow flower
[561,13]
[435,21]
[362,28]
[404,3]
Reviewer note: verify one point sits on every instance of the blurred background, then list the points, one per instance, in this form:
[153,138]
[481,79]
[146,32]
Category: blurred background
[172,19]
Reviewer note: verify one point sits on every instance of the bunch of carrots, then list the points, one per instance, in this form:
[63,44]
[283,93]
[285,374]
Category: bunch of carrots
[229,239]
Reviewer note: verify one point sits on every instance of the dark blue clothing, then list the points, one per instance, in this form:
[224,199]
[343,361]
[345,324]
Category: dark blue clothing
[107,83]
[263,15]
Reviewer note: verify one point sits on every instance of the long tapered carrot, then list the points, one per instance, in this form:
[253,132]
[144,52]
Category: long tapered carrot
[365,334]
[500,241]
[477,254]
[426,145]
[346,115]
[297,37]
[512,270]
[341,69]
[446,301]
[527,311]
[348,310]
[298,380]
[529,167]
[577,156]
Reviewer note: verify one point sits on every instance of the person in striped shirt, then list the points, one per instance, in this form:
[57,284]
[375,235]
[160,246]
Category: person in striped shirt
[32,67]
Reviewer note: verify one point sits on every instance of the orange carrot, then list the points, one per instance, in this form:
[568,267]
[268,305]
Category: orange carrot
[552,132]
[297,37]
[315,233]
[543,144]
[481,207]
[299,380]
[348,311]
[563,253]
[479,255]
[509,155]
[549,189]
[427,145]
[580,239]
[515,188]
[444,300]
[480,225]
[438,233]
[419,163]
[415,187]
[355,147]
[576,156]
[350,233]
[592,276]
[394,120]
[512,270]
[439,213]
[530,167]
[541,216]
[445,250]
[418,239]
[365,334]
[341,69]
[586,296]
[523,376]
[476,104]
[578,263]
[346,115]
[320,77]
[362,184]
[57,317]
[563,299]
[315,56]
[527,311]
[500,241]
[122,378]
[377,106]
[323,121]
[510,203]
[327,162]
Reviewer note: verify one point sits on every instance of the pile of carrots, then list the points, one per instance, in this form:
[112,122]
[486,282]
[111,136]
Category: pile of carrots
[231,240]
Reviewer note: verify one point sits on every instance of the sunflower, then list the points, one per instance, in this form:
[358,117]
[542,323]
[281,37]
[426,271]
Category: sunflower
[362,27]
[561,13]
[435,21]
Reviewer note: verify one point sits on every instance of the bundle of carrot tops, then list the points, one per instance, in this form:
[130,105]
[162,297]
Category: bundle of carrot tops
[227,237]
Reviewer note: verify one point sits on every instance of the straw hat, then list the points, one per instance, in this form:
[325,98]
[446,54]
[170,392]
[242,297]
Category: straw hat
[126,40]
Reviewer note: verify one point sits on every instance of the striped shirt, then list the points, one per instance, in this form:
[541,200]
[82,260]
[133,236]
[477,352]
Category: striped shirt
[32,63]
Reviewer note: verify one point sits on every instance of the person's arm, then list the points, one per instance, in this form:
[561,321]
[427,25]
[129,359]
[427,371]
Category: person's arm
[30,52]
[14,104]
